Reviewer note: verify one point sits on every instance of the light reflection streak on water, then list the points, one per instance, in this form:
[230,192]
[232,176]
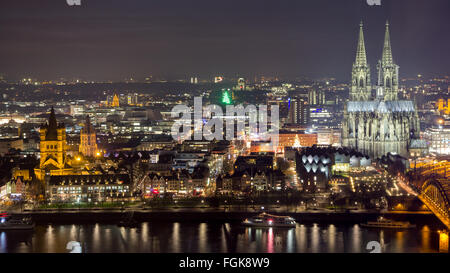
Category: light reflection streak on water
[270,240]
[50,238]
[202,238]
[382,242]
[223,241]
[425,232]
[258,238]
[315,239]
[96,238]
[356,239]
[302,239]
[2,242]
[331,238]
[290,241]
[399,235]
[175,237]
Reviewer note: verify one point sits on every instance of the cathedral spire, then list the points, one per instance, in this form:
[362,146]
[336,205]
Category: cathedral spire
[387,51]
[361,59]
[361,87]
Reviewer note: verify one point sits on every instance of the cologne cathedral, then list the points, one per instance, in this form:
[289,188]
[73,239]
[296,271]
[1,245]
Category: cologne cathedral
[377,123]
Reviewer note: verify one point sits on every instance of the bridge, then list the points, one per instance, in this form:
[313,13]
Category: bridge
[431,184]
[435,194]
[434,167]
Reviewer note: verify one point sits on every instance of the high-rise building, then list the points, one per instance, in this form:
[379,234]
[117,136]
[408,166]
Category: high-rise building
[439,139]
[298,111]
[321,98]
[384,124]
[312,96]
[88,139]
[316,97]
[132,99]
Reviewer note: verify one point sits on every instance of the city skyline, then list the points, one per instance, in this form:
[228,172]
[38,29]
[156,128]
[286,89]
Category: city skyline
[316,126]
[137,39]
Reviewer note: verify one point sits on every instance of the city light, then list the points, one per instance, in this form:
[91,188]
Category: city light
[191,128]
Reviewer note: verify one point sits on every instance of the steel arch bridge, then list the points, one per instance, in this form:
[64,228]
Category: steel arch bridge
[435,194]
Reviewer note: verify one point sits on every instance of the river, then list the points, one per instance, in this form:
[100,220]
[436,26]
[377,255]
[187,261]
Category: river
[202,237]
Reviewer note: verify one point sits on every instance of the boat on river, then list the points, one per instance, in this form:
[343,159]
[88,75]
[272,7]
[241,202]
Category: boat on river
[12,223]
[269,220]
[387,223]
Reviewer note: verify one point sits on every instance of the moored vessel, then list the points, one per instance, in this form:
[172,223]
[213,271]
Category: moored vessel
[16,224]
[269,220]
[387,223]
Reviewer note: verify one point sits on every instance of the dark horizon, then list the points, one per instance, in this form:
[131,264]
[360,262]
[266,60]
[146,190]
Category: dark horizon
[113,40]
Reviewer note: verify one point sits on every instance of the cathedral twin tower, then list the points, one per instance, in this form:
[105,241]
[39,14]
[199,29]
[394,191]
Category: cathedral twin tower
[379,123]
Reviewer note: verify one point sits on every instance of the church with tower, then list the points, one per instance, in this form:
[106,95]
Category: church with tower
[376,121]
[53,159]
[88,139]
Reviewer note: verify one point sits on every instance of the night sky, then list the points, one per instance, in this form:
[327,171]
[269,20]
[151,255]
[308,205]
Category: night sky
[117,39]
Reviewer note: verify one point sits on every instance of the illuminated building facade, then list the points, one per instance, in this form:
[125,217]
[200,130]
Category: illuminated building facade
[89,188]
[241,85]
[328,136]
[52,148]
[115,101]
[292,139]
[384,124]
[438,140]
[317,165]
[443,107]
[88,139]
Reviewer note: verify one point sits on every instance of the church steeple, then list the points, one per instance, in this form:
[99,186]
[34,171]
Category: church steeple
[52,148]
[88,139]
[52,131]
[361,59]
[387,51]
[361,87]
[387,88]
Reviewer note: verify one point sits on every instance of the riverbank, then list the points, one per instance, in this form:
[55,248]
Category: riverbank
[220,215]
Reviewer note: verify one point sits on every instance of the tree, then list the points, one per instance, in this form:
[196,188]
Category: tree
[226,98]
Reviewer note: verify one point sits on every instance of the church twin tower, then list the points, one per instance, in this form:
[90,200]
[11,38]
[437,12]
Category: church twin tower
[379,123]
[387,83]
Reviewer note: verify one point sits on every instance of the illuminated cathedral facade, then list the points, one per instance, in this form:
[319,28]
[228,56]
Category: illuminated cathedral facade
[377,123]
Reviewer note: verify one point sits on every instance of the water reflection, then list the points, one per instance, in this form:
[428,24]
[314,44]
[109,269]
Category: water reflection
[216,237]
[356,239]
[331,238]
[176,238]
[426,244]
